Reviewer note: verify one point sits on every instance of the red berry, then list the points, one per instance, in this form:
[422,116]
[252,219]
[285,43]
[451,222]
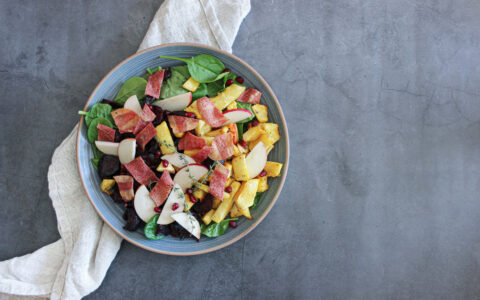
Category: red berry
[158,154]
[174,206]
[243,143]
[239,79]
[226,70]
[193,199]
[255,123]
[189,191]
[263,173]
[229,82]
[165,163]
[233,224]
[151,107]
[157,209]
[189,115]
[123,168]
[228,189]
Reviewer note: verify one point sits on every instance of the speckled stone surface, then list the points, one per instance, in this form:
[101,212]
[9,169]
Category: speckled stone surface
[382,102]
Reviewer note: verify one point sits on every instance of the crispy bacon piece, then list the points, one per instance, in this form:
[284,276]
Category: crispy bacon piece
[140,171]
[105,133]
[154,84]
[222,147]
[181,124]
[140,125]
[145,135]
[219,178]
[250,96]
[125,186]
[210,113]
[147,114]
[162,188]
[191,142]
[125,119]
[201,155]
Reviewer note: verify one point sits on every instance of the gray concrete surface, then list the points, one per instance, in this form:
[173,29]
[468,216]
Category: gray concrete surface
[382,100]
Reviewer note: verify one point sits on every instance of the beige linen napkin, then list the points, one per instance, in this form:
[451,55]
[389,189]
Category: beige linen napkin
[75,265]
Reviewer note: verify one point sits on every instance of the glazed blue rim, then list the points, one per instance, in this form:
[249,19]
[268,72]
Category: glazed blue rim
[254,223]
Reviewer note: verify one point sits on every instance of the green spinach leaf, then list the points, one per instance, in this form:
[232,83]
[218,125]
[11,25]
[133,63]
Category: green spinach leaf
[151,227]
[173,86]
[133,86]
[152,71]
[98,110]
[216,229]
[203,68]
[200,92]
[95,162]
[213,88]
[258,196]
[240,130]
[246,106]
[92,132]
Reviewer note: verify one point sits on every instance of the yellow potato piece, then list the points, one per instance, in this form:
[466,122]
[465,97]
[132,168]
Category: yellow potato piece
[190,152]
[188,203]
[191,85]
[262,184]
[234,212]
[107,185]
[273,169]
[266,139]
[253,133]
[207,218]
[246,195]
[216,203]
[246,213]
[230,94]
[226,205]
[202,128]
[261,112]
[194,109]
[239,165]
[165,139]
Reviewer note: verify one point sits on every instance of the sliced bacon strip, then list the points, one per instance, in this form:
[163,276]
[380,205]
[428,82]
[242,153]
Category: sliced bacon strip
[210,113]
[250,96]
[105,133]
[201,155]
[140,125]
[181,124]
[147,114]
[162,188]
[154,84]
[140,171]
[223,147]
[219,178]
[191,142]
[125,119]
[145,135]
[125,186]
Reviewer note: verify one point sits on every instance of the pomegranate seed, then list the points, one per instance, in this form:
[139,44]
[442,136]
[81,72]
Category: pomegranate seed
[157,154]
[233,224]
[189,191]
[157,209]
[263,173]
[229,82]
[193,199]
[174,206]
[151,107]
[243,143]
[189,115]
[240,79]
[165,163]
[228,189]
[255,123]
[226,70]
[123,168]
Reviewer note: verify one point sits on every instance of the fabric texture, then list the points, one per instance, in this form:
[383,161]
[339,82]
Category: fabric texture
[76,265]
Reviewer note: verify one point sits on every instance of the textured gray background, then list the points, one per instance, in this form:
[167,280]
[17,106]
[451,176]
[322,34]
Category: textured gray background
[382,103]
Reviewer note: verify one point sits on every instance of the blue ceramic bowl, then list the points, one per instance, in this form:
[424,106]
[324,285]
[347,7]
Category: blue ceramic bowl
[112,213]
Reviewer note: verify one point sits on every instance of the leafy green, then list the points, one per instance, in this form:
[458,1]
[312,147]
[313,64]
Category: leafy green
[216,229]
[95,162]
[213,88]
[246,106]
[258,196]
[92,132]
[240,130]
[203,68]
[201,91]
[151,227]
[133,86]
[173,86]
[152,71]
[98,110]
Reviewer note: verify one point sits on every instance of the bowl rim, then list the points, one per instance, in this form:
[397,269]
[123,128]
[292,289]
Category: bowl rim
[255,222]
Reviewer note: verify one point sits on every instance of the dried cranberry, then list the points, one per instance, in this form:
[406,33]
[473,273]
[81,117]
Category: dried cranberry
[167,74]
[108,165]
[193,199]
[157,209]
[263,173]
[158,154]
[174,206]
[189,115]
[165,163]
[189,192]
[255,123]
[229,82]
[228,189]
[243,143]
[233,224]
[239,79]
[226,70]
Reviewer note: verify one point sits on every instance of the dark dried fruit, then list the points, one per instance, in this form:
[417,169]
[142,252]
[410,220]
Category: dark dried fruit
[114,105]
[233,224]
[117,198]
[228,189]
[239,79]
[133,221]
[108,165]
[167,74]
[204,206]
[126,135]
[163,230]
[149,100]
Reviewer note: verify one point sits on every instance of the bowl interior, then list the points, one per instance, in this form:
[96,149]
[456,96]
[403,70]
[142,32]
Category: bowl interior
[112,212]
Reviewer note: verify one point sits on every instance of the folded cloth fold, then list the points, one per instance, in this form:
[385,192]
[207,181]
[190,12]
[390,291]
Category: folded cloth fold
[76,265]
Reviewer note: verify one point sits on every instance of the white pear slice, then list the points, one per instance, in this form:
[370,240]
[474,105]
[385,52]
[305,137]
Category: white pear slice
[107,147]
[126,150]
[178,160]
[176,196]
[189,174]
[188,222]
[175,103]
[256,160]
[144,205]
[133,104]
[236,115]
